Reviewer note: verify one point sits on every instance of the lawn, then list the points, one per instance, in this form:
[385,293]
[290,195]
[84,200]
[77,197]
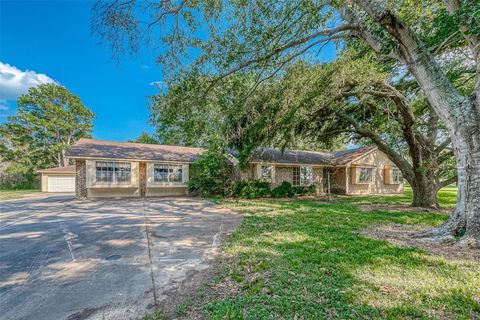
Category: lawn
[14,194]
[307,260]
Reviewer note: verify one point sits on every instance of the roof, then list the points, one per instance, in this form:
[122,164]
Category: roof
[91,148]
[291,156]
[336,158]
[346,156]
[66,169]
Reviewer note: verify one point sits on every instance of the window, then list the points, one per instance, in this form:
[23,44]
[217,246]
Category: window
[306,176]
[302,176]
[366,175]
[266,172]
[296,176]
[167,173]
[397,176]
[119,172]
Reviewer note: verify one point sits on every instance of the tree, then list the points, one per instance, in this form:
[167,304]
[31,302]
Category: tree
[49,120]
[145,138]
[266,36]
[352,97]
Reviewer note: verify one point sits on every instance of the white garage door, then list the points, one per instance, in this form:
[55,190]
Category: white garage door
[61,183]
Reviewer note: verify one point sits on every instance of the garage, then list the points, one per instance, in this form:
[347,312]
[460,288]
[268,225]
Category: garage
[60,179]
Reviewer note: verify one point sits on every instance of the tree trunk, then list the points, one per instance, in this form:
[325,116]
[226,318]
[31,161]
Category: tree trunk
[460,114]
[424,194]
[464,222]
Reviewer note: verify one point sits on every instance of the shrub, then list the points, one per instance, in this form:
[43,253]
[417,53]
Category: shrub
[252,189]
[212,174]
[285,190]
[304,190]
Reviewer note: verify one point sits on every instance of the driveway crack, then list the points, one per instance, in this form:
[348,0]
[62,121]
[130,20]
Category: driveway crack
[149,254]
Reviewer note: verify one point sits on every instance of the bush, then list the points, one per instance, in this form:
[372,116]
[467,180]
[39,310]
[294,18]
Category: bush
[304,190]
[250,189]
[212,174]
[285,190]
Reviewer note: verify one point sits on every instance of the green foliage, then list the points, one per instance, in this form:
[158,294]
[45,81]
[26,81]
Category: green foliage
[304,190]
[212,174]
[250,189]
[48,121]
[284,190]
[145,138]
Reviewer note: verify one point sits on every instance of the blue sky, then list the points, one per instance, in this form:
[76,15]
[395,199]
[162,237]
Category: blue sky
[52,39]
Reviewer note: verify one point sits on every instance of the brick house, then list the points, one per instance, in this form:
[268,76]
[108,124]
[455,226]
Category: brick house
[123,169]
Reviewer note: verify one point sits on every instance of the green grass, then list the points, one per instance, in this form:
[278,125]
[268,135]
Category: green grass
[447,198]
[14,194]
[307,260]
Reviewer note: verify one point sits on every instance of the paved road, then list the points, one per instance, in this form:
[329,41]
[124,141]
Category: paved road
[62,258]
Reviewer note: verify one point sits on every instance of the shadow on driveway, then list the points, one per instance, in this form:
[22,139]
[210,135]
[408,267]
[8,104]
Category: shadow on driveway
[62,258]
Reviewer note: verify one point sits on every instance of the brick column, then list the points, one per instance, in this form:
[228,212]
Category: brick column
[143,178]
[80,178]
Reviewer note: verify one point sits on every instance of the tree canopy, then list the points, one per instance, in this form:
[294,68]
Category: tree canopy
[49,120]
[262,38]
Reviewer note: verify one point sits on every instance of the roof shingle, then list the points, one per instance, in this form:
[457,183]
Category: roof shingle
[91,148]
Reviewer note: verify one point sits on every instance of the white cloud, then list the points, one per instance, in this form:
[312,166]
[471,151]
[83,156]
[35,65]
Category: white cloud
[14,82]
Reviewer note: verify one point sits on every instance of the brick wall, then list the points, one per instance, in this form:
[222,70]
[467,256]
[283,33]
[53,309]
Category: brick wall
[143,178]
[80,179]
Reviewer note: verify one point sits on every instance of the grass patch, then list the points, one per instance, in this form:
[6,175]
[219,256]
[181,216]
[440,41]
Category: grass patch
[307,260]
[14,194]
[447,197]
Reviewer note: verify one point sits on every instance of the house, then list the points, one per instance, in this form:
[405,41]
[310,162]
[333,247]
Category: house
[123,169]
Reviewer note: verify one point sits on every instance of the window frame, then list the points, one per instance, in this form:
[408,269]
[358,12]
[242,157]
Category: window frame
[359,176]
[297,179]
[114,170]
[172,170]
[262,177]
[400,175]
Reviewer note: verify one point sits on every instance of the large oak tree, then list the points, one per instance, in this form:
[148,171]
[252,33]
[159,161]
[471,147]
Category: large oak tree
[265,36]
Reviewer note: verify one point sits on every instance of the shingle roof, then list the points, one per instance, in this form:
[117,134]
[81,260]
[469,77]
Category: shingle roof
[346,156]
[291,156]
[309,157]
[91,148]
[66,169]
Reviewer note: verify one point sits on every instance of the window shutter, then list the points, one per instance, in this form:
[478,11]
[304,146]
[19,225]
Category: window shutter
[353,175]
[387,175]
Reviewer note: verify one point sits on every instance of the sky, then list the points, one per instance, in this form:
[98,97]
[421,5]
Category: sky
[44,41]
[50,41]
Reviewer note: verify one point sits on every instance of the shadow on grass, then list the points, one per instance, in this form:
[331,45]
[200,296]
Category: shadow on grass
[307,260]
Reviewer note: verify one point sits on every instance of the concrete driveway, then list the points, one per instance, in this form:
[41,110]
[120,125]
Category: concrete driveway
[62,258]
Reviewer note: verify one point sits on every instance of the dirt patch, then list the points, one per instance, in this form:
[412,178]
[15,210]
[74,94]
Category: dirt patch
[400,207]
[403,235]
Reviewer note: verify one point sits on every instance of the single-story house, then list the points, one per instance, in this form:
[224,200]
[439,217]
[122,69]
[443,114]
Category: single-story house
[124,169]
[60,179]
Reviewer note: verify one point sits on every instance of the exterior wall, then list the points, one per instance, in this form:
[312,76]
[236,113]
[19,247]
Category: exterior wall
[81,179]
[379,162]
[248,173]
[282,174]
[285,173]
[318,179]
[339,185]
[44,180]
